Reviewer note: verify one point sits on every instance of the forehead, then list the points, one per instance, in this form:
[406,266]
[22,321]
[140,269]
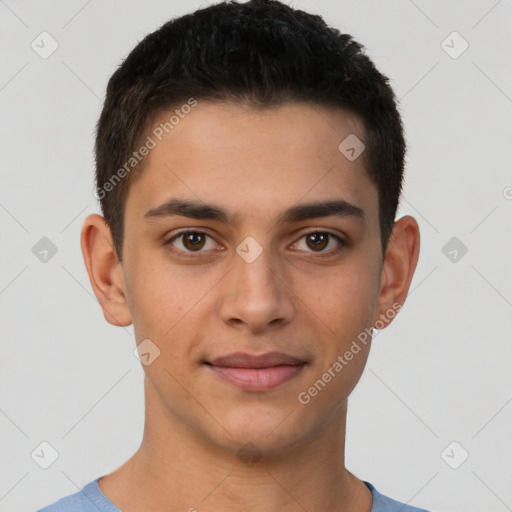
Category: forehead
[247,159]
[309,128]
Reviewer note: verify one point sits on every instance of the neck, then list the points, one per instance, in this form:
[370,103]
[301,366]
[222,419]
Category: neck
[174,467]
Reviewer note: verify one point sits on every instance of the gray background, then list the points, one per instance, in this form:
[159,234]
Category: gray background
[440,373]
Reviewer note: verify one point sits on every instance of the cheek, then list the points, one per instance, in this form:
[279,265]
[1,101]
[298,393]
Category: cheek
[344,299]
[164,297]
[164,304]
[342,304]
[155,298]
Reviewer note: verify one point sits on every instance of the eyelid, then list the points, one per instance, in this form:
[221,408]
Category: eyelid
[187,254]
[203,231]
[340,239]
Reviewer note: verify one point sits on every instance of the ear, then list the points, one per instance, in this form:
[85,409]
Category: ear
[104,269]
[397,270]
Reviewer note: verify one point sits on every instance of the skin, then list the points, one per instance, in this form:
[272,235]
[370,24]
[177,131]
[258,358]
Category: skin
[294,298]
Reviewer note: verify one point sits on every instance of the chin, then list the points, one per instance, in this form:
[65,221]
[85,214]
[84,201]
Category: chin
[262,431]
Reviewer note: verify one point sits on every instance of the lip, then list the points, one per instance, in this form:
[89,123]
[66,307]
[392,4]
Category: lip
[256,372]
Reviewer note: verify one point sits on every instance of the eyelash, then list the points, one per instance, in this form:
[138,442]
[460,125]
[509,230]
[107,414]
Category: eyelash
[191,254]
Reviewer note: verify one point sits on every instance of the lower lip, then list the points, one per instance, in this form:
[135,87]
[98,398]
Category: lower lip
[258,379]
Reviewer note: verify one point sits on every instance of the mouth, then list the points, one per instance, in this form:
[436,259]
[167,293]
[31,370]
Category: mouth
[256,372]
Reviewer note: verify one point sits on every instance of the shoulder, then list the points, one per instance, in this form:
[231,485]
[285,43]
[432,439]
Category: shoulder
[89,499]
[382,503]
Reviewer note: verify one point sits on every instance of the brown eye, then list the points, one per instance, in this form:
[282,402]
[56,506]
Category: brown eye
[317,240]
[190,243]
[193,240]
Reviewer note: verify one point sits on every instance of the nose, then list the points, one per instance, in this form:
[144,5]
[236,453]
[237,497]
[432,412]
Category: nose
[257,295]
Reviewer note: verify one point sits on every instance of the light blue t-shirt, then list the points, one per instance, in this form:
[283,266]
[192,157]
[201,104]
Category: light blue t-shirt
[92,499]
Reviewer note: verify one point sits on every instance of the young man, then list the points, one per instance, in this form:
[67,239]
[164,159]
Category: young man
[249,167]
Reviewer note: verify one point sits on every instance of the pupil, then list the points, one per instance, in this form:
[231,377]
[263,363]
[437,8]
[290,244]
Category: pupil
[193,239]
[318,239]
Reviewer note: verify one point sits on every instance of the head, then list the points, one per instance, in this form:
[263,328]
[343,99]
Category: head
[261,54]
[232,123]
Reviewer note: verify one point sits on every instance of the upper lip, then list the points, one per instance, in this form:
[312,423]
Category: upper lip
[244,360]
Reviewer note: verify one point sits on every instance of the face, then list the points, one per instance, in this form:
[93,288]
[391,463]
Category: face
[251,293]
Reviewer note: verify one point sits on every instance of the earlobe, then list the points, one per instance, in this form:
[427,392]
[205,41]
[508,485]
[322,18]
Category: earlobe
[398,269]
[104,269]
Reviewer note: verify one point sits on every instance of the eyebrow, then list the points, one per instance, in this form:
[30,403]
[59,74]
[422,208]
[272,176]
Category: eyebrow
[204,211]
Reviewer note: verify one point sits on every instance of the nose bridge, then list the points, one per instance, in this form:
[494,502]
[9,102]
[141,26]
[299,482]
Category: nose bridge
[258,275]
[256,293]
